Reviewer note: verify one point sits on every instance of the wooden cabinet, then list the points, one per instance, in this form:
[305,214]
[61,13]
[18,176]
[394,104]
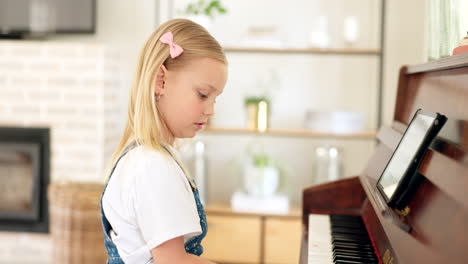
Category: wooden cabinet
[282,240]
[240,238]
[233,239]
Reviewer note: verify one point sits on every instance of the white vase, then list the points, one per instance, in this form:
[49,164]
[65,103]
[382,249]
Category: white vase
[261,181]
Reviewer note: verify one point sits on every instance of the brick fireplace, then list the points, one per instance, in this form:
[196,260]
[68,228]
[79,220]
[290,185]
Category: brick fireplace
[73,90]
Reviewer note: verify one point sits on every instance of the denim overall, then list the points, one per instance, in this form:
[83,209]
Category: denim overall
[192,246]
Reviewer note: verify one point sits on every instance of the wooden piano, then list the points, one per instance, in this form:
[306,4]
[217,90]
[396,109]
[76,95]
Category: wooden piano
[435,228]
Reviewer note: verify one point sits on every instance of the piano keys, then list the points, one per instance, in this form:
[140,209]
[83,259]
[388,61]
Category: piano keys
[434,226]
[341,239]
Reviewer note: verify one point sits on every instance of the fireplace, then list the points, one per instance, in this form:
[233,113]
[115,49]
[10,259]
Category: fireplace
[24,177]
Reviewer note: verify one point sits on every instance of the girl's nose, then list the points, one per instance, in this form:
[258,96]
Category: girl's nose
[209,110]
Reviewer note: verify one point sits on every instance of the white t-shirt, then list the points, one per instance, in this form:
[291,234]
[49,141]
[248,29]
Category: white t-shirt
[148,201]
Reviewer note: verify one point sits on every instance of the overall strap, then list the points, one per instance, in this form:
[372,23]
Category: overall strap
[113,254]
[192,184]
[130,146]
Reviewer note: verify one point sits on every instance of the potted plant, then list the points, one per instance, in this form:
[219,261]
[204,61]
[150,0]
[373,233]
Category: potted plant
[261,176]
[204,12]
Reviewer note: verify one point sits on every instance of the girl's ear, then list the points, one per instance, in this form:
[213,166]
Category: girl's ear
[160,81]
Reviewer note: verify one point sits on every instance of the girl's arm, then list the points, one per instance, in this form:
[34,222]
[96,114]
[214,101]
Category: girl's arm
[173,251]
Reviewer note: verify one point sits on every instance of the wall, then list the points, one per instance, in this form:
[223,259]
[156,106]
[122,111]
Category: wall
[124,25]
[72,89]
[405,44]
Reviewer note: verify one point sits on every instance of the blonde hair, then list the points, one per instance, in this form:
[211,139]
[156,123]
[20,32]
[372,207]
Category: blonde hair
[144,124]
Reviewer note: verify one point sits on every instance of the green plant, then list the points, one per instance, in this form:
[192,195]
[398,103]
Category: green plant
[263,160]
[255,100]
[207,8]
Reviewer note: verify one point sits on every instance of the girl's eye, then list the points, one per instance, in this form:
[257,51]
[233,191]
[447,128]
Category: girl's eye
[202,96]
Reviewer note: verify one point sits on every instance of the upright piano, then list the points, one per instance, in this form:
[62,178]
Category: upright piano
[345,221]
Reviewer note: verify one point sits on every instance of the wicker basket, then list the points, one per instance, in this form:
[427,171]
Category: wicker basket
[75,223]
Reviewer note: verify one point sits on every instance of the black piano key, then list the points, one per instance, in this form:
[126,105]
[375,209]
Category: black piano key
[347,249]
[349,232]
[362,237]
[347,225]
[361,256]
[354,249]
[353,262]
[341,216]
[351,244]
[350,240]
[346,222]
[352,253]
[353,258]
[357,236]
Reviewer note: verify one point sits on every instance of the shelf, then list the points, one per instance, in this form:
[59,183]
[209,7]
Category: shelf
[293,133]
[341,51]
[225,208]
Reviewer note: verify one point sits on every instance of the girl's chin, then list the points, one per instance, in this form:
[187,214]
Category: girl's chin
[188,134]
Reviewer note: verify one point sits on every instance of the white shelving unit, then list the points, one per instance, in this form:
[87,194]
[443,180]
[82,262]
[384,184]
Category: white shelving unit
[353,80]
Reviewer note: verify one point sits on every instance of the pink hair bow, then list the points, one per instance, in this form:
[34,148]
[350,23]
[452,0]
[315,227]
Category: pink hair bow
[174,49]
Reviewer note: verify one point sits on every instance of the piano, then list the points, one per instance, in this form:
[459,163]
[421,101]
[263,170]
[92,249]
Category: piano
[345,221]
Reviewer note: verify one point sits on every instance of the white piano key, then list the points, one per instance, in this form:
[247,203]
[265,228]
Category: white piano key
[319,240]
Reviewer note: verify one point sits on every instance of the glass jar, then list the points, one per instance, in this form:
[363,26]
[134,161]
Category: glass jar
[258,116]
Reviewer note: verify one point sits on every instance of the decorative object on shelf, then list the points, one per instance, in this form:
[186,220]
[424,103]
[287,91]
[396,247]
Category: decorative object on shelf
[194,157]
[334,121]
[320,36]
[328,164]
[443,27]
[462,46]
[262,36]
[261,184]
[200,170]
[204,12]
[206,8]
[261,172]
[258,113]
[261,176]
[275,204]
[351,30]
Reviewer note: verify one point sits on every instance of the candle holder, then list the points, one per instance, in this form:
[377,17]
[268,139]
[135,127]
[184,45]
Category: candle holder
[258,113]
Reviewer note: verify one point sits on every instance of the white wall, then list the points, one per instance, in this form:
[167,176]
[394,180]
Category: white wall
[124,25]
[405,44]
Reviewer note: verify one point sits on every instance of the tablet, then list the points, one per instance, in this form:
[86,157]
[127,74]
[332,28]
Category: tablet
[399,173]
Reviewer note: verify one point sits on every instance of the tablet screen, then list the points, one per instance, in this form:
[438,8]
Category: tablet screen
[405,152]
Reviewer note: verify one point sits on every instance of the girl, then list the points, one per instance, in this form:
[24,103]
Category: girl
[150,210]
